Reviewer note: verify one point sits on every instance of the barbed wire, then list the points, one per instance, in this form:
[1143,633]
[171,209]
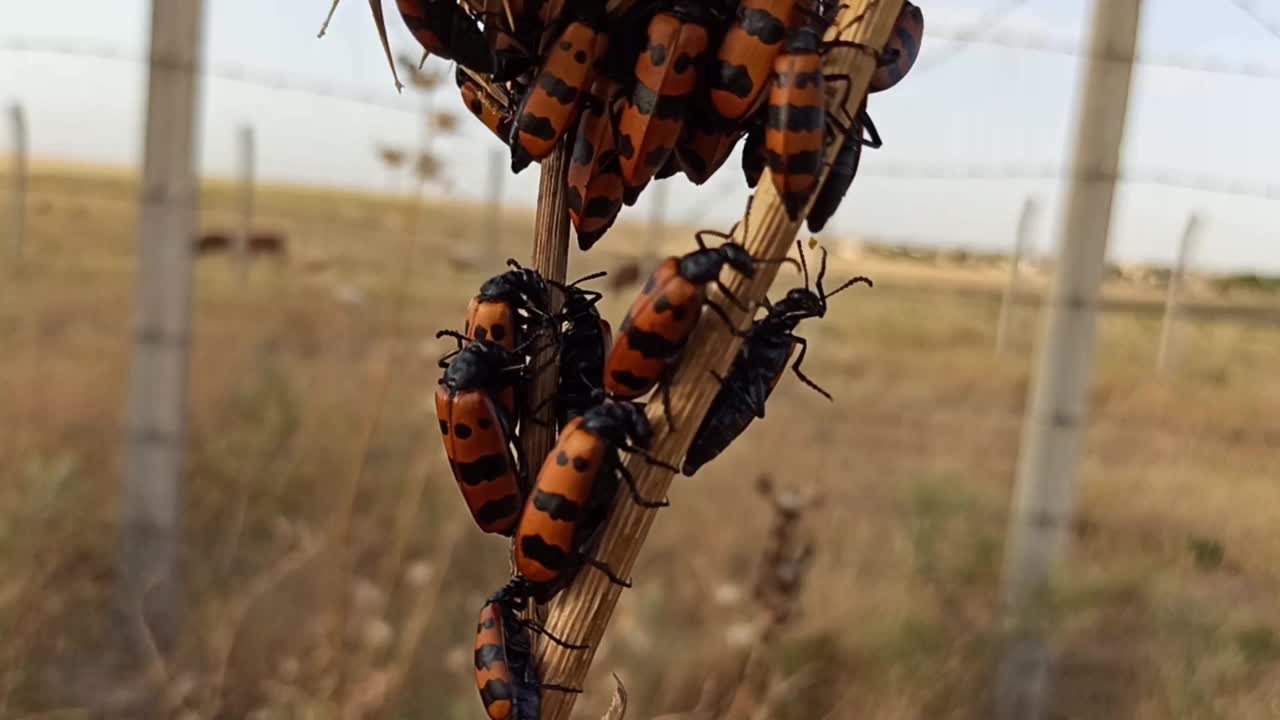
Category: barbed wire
[966,37]
[1156,176]
[1246,7]
[973,35]
[235,72]
[1034,42]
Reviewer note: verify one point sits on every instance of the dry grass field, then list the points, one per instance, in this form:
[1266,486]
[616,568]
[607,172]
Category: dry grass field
[310,414]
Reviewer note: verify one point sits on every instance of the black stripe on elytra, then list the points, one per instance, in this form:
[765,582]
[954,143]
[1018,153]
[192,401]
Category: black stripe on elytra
[602,207]
[626,148]
[761,25]
[628,379]
[652,345]
[806,162]
[908,41]
[556,505]
[654,159]
[561,91]
[485,469]
[664,107]
[496,691]
[536,126]
[545,554]
[573,199]
[495,510]
[733,79]
[694,161]
[488,655]
[796,118]
[664,305]
[683,62]
[658,55]
[799,80]
[584,152]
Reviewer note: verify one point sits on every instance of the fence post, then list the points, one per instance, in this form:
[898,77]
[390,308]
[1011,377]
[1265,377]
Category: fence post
[148,596]
[1190,233]
[1056,411]
[18,200]
[248,153]
[1020,244]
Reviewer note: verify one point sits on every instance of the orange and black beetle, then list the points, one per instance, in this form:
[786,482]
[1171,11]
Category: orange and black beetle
[505,675]
[744,61]
[655,329]
[570,499]
[445,29]
[551,105]
[901,51]
[478,432]
[667,73]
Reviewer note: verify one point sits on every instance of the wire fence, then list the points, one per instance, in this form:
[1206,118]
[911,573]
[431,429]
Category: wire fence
[985,32]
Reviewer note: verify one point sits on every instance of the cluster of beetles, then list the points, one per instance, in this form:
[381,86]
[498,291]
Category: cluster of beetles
[675,98]
[555,521]
[657,88]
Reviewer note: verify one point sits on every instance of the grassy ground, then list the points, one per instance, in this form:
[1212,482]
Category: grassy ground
[309,397]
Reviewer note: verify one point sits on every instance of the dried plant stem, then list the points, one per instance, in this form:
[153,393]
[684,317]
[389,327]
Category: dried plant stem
[582,611]
[551,258]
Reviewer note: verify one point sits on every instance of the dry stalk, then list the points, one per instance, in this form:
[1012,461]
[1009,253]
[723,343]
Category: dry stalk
[582,611]
[551,258]
[784,563]
[618,705]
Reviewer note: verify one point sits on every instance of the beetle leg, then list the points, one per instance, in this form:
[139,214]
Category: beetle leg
[650,459]
[727,237]
[444,361]
[613,578]
[874,142]
[725,316]
[848,121]
[795,367]
[724,290]
[561,688]
[541,629]
[635,492]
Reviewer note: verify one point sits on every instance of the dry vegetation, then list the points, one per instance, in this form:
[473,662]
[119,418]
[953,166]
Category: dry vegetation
[1167,604]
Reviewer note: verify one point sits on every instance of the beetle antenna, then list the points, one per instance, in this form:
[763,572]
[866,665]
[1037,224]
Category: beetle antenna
[852,281]
[774,261]
[575,283]
[804,266]
[455,335]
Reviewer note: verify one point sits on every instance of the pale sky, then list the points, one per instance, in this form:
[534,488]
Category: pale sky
[984,105]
